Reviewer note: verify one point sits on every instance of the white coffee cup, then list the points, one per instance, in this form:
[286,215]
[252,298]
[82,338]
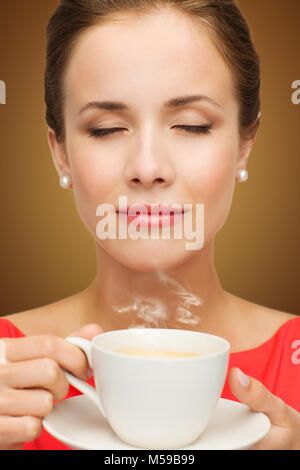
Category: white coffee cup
[155,402]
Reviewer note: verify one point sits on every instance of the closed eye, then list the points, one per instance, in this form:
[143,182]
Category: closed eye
[108,131]
[196,129]
[104,132]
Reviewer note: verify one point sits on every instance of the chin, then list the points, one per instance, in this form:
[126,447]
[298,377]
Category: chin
[149,256]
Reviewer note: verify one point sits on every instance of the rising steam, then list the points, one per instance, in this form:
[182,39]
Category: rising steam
[153,312]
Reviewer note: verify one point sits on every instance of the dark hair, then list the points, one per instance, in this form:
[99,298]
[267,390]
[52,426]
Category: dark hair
[222,18]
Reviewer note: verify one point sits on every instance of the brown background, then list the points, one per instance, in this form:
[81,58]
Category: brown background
[47,253]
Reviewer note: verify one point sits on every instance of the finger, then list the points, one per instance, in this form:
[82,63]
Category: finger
[276,439]
[18,430]
[67,355]
[14,447]
[88,331]
[2,352]
[36,403]
[253,393]
[42,373]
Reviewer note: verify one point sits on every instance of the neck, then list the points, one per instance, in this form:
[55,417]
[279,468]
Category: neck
[188,297]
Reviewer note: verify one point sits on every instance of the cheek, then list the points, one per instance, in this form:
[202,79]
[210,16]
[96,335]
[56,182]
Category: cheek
[93,183]
[212,180]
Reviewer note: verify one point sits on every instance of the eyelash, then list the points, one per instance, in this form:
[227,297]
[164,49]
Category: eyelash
[101,133]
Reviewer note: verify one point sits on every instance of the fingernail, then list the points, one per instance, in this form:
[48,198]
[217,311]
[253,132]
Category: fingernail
[243,379]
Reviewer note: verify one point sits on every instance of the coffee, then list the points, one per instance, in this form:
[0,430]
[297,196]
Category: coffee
[153,352]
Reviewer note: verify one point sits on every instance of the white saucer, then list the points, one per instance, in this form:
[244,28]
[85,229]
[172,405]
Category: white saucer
[78,424]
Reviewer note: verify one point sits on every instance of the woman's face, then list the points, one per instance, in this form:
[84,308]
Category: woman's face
[143,64]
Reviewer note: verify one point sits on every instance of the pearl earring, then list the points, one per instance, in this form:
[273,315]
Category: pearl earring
[243,176]
[65,182]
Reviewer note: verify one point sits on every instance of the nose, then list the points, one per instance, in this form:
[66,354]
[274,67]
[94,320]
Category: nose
[149,163]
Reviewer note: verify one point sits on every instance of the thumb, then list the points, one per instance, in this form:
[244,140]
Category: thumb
[88,331]
[253,393]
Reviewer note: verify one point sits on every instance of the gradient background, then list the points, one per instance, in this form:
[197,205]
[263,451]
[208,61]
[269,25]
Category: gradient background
[46,252]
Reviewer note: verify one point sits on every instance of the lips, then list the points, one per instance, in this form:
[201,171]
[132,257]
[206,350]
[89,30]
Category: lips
[154,209]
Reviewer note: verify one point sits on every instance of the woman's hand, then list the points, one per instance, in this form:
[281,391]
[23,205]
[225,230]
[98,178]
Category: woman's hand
[285,420]
[32,379]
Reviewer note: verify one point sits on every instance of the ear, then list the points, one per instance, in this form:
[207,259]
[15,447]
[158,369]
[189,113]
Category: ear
[246,146]
[59,155]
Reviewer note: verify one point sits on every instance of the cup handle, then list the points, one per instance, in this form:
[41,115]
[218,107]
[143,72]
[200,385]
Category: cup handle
[80,384]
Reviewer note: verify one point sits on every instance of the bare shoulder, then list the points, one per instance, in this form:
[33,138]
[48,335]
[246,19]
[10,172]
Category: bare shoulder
[268,321]
[256,311]
[60,318]
[272,317]
[257,323]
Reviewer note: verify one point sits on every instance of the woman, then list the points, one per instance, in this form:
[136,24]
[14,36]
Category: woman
[158,102]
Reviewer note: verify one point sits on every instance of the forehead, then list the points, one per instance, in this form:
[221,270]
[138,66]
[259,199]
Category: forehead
[145,60]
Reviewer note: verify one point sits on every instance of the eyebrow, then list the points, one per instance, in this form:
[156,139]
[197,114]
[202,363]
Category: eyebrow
[170,104]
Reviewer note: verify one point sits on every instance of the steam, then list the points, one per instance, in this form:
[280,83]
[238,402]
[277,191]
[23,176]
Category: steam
[152,312]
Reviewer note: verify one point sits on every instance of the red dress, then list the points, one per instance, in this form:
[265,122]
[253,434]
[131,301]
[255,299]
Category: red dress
[275,363]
